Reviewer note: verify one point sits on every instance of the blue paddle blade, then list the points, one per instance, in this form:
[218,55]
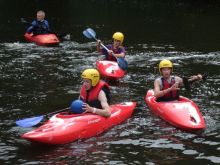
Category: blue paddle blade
[122,63]
[29,122]
[89,33]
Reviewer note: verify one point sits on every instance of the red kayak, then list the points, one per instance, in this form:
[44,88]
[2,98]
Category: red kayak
[64,128]
[109,69]
[183,113]
[43,39]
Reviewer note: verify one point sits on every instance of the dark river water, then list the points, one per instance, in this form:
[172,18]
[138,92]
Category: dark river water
[35,80]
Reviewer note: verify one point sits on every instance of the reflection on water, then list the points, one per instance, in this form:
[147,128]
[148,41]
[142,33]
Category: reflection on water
[37,80]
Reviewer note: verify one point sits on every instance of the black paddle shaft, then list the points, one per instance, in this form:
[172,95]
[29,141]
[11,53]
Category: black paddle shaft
[61,110]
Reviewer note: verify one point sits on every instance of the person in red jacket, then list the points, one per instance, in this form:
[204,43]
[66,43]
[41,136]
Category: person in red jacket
[95,93]
[166,87]
[116,50]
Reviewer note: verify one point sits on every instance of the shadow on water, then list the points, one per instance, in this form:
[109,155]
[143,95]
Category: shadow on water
[36,80]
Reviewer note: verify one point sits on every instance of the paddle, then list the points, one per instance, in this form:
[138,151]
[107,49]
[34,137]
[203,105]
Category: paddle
[25,22]
[90,33]
[188,82]
[32,121]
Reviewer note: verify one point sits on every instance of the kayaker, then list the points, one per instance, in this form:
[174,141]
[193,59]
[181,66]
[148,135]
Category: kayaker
[40,25]
[166,87]
[95,93]
[116,50]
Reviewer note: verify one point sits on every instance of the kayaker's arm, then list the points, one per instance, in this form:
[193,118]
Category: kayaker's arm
[195,78]
[105,111]
[118,55]
[189,81]
[31,27]
[157,92]
[121,55]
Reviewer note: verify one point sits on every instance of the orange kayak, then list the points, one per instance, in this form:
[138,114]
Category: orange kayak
[43,39]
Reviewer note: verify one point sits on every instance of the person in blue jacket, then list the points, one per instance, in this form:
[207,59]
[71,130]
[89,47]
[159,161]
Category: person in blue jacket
[40,25]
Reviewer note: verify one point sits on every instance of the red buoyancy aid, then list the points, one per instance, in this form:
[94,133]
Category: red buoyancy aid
[172,95]
[91,96]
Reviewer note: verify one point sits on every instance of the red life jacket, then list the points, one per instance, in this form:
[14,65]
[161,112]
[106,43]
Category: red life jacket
[172,95]
[91,96]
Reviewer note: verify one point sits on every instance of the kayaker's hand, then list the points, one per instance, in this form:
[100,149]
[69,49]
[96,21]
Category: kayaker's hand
[195,78]
[110,52]
[175,87]
[99,42]
[98,47]
[87,108]
[199,76]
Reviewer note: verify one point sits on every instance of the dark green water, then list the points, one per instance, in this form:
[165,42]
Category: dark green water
[36,80]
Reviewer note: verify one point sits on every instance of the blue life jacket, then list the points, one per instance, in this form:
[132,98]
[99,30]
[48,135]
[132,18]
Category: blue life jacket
[38,27]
